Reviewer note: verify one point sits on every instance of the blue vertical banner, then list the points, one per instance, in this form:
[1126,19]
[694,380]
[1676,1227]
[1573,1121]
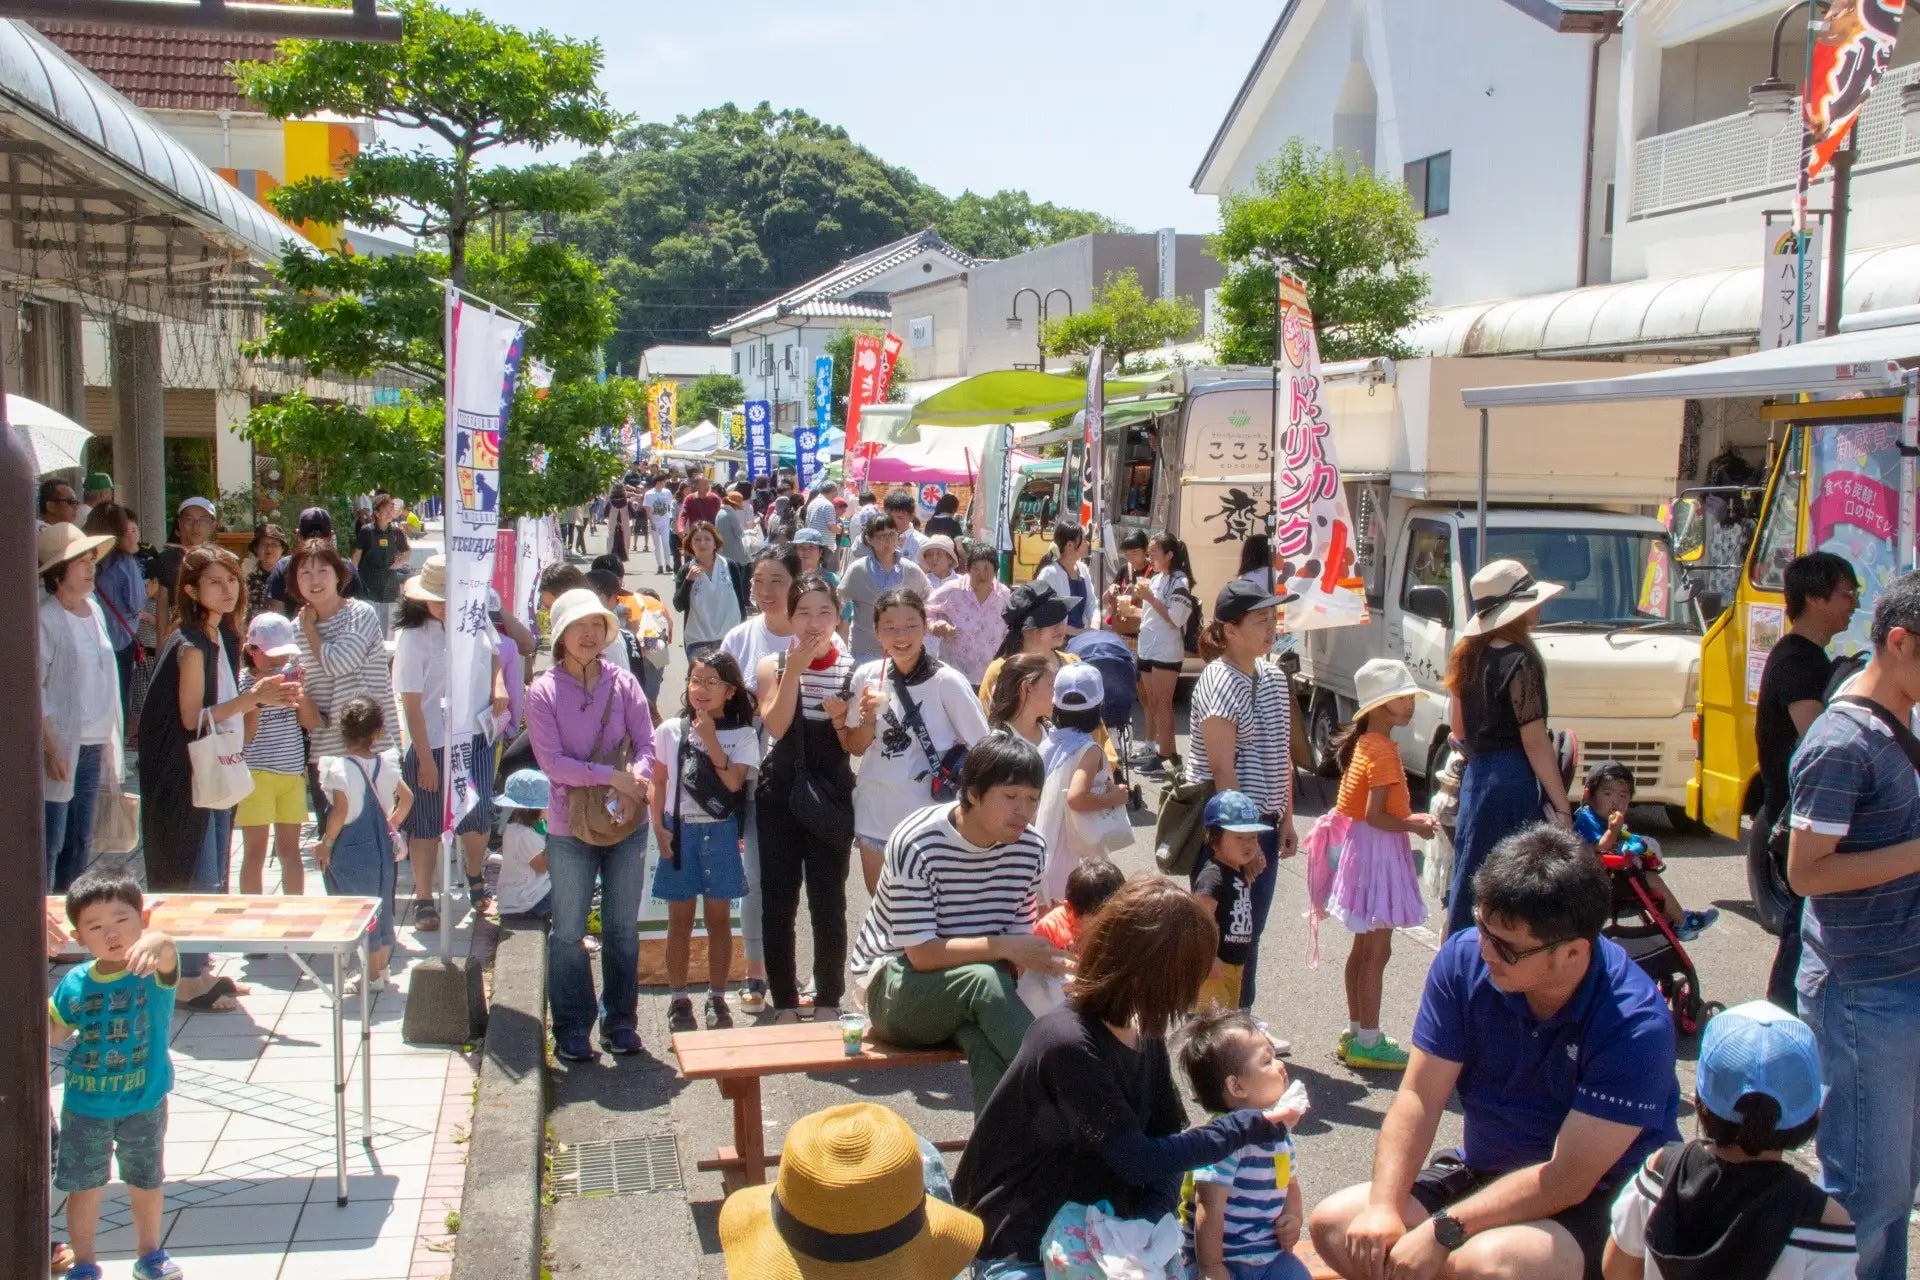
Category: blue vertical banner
[759,439]
[806,439]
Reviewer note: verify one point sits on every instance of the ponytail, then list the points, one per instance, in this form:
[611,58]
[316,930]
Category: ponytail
[1347,739]
[1213,640]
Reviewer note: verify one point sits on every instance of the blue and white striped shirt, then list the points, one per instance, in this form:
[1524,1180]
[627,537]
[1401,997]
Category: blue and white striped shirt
[1256,1178]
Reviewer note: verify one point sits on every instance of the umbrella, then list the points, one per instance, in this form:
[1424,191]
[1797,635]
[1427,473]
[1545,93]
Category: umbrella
[57,442]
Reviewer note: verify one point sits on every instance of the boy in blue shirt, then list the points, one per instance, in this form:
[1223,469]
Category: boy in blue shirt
[1602,823]
[119,1006]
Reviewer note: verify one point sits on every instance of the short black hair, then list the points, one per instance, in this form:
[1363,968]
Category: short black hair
[1547,879]
[806,582]
[1135,541]
[1757,1130]
[1091,882]
[1216,1044]
[1898,606]
[50,487]
[1815,576]
[559,578]
[988,554]
[949,504]
[102,885]
[1608,771]
[1085,719]
[603,584]
[878,522]
[900,598]
[361,721]
[782,554]
[1001,759]
[611,563]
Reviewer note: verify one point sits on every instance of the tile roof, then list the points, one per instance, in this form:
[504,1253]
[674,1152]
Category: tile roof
[836,294]
[177,70]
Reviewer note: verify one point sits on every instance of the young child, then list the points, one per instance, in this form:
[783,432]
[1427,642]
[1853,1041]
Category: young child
[277,759]
[1224,885]
[702,760]
[1241,1216]
[524,889]
[1602,823]
[1079,781]
[1728,1204]
[1375,889]
[113,1104]
[356,852]
[1089,885]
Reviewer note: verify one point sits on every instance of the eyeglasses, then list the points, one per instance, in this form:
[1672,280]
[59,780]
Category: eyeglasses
[704,682]
[68,501]
[1506,951]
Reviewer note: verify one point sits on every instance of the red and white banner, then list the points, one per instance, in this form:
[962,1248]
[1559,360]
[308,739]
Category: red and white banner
[1313,532]
[863,389]
[1854,46]
[890,349]
[1095,415]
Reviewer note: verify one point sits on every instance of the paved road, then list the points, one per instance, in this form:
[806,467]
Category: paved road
[672,1233]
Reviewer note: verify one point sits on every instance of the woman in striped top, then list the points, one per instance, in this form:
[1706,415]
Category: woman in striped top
[803,700]
[343,654]
[951,925]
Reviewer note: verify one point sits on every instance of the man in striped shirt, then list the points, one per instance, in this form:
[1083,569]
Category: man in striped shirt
[951,925]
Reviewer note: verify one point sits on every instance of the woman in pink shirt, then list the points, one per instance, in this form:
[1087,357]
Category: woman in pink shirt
[965,614]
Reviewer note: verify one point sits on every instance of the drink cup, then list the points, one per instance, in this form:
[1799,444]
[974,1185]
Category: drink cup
[853,1032]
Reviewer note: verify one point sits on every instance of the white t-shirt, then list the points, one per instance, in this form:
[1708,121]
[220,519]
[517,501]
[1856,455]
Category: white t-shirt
[1812,1252]
[420,666]
[1160,640]
[948,707]
[98,691]
[712,607]
[741,746]
[658,504]
[751,641]
[521,887]
[349,774]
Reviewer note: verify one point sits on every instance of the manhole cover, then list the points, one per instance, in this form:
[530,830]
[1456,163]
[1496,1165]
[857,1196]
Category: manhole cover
[618,1168]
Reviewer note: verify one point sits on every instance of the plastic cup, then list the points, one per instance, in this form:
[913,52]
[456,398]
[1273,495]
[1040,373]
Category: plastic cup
[853,1032]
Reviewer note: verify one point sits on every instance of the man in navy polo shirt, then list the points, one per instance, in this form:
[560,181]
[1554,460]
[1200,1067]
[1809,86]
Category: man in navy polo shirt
[1562,1053]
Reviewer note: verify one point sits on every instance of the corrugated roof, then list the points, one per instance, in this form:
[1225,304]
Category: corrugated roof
[836,293]
[166,69]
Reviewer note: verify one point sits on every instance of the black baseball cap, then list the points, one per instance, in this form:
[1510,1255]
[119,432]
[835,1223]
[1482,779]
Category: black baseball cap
[1033,606]
[1239,598]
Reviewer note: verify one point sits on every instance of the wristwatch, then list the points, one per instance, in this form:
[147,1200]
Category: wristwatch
[1448,1231]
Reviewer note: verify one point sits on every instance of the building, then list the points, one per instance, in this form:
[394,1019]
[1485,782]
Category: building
[683,365]
[774,345]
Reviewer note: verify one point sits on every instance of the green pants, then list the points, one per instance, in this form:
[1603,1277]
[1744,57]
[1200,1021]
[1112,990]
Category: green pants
[973,1005]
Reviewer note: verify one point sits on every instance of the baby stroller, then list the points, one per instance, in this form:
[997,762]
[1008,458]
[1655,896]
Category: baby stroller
[1108,654]
[1638,922]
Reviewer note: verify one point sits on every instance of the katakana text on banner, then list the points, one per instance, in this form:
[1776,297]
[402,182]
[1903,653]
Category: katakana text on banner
[862,390]
[1313,530]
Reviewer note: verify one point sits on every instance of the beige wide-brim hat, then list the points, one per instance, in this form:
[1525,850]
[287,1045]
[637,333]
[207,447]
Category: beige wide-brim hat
[574,606]
[1381,680]
[849,1203]
[1503,591]
[430,584]
[58,543]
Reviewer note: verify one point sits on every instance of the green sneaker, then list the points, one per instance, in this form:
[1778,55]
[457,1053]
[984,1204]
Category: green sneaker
[1346,1042]
[1385,1054]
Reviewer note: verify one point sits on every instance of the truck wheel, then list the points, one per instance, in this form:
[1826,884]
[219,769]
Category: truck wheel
[1323,725]
[1682,822]
[1771,896]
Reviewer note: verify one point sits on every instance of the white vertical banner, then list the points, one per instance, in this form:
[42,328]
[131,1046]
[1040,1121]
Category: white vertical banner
[1092,509]
[1313,530]
[530,556]
[483,358]
[1789,288]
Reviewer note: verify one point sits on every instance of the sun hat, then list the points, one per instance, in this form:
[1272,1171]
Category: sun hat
[1033,606]
[1239,598]
[939,542]
[430,584]
[196,504]
[1758,1047]
[850,1203]
[1077,686]
[1501,592]
[272,634]
[574,606]
[56,544]
[1381,680]
[810,538]
[526,789]
[97,482]
[1233,811]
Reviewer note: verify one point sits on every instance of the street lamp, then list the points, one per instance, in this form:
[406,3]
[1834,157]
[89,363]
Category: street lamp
[1015,324]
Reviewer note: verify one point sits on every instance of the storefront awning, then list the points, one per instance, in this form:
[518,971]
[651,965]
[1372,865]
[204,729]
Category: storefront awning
[1015,395]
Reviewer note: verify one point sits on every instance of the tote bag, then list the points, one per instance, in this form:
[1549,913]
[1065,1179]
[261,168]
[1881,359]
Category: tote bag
[221,779]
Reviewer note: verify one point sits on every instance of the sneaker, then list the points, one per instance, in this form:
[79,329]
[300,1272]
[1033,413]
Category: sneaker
[680,1015]
[719,1017]
[85,1271]
[1346,1042]
[1695,923]
[574,1048]
[1384,1054]
[622,1042]
[753,997]
[155,1266]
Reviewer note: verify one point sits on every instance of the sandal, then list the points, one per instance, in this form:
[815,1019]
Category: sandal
[426,916]
[786,1018]
[478,893]
[208,1001]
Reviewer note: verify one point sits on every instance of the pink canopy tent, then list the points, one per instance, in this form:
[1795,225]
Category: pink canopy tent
[944,455]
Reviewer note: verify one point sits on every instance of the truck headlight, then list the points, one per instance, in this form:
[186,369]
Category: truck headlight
[1693,685]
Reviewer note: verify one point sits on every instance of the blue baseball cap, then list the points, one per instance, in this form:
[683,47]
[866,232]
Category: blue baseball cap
[1758,1047]
[1232,811]
[810,538]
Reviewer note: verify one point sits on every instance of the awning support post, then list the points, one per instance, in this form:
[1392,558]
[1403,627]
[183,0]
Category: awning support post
[1480,547]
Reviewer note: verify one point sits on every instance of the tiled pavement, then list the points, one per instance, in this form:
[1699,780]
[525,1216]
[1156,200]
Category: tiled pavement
[250,1151]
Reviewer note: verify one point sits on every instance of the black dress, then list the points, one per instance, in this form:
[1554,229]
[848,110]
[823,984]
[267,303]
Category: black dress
[171,829]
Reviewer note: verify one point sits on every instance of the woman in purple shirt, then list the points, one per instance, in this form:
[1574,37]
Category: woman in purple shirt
[566,708]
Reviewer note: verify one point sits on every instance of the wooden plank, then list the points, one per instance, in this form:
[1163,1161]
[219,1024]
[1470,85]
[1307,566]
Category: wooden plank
[781,1050]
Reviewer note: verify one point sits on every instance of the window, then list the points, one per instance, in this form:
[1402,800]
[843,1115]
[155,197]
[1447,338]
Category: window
[1780,527]
[1430,183]
[1429,559]
[1606,227]
[736,362]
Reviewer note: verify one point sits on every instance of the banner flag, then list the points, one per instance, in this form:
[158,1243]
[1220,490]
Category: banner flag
[733,429]
[669,401]
[1852,50]
[862,390]
[483,359]
[759,416]
[806,438]
[890,349]
[1313,530]
[1096,413]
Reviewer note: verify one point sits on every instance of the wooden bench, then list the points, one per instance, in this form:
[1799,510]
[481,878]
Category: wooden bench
[739,1058]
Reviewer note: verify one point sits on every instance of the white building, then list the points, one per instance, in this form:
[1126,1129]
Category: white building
[683,365]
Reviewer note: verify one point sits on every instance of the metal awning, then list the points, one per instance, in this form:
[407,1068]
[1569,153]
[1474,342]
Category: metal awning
[1864,360]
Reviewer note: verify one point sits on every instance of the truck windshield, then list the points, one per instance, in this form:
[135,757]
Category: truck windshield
[1613,577]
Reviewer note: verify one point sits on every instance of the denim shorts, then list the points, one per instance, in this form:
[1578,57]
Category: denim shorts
[88,1143]
[710,864]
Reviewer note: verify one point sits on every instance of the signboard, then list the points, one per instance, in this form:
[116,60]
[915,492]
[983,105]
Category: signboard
[1766,623]
[759,416]
[1853,511]
[1789,288]
[863,385]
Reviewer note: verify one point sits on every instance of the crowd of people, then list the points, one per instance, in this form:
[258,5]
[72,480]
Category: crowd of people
[856,683]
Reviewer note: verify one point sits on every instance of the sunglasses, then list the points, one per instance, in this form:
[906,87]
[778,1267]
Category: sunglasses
[1507,952]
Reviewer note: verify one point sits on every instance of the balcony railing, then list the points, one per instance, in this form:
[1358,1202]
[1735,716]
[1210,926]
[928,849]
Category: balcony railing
[1724,160]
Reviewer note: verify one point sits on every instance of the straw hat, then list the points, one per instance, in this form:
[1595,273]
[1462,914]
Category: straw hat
[574,606]
[1380,681]
[1501,592]
[850,1203]
[430,584]
[58,543]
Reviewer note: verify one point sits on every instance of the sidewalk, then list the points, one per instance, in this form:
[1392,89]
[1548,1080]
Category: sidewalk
[250,1142]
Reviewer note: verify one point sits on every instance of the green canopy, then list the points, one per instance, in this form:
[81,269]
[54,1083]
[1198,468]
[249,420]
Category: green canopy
[1044,469]
[1014,395]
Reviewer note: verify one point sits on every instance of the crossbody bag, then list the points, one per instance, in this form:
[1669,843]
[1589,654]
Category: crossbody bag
[943,769]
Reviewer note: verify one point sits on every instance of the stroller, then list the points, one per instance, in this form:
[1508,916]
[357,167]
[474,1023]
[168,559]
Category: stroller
[1638,922]
[1108,654]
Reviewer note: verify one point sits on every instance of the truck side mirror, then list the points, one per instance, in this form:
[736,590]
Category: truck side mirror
[1431,603]
[1687,529]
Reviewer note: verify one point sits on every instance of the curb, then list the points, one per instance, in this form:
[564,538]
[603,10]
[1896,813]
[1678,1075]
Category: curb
[500,1204]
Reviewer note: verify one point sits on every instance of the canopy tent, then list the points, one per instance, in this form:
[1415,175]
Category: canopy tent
[1016,395]
[833,440]
[1043,468]
[942,457]
[704,438]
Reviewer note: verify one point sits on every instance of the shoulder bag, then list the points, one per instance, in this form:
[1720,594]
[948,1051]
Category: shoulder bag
[817,802]
[943,775]
[601,816]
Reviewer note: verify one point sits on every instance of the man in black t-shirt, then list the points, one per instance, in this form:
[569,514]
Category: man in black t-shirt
[380,551]
[1822,594]
[315,522]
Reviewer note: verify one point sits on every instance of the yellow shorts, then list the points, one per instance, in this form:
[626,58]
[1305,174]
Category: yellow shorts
[275,798]
[1222,989]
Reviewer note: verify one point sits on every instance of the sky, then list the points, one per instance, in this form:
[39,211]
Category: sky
[1105,105]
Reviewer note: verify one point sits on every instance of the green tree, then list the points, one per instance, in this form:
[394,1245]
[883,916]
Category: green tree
[840,347]
[1008,223]
[1125,319]
[708,395]
[1352,236]
[475,85]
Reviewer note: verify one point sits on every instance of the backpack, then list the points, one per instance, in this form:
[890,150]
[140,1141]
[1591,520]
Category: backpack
[1190,633]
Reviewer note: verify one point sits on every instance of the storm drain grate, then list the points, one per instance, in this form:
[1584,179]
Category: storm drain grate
[622,1167]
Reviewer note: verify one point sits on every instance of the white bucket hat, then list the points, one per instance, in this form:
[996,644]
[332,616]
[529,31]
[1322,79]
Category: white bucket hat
[574,606]
[1380,681]
[1501,592]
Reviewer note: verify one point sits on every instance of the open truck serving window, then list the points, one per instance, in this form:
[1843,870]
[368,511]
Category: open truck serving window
[1613,578]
